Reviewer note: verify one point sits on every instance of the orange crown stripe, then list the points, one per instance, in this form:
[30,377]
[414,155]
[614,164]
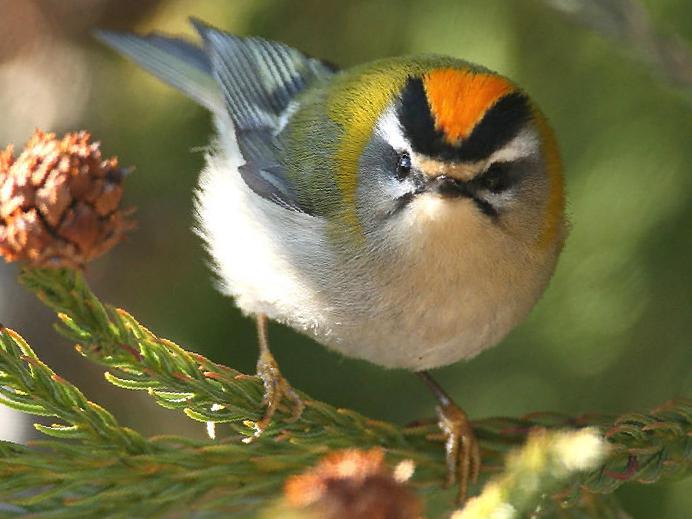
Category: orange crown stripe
[459,98]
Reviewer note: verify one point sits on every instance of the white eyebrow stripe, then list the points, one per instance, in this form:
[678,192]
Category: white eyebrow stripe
[389,128]
[523,145]
[500,200]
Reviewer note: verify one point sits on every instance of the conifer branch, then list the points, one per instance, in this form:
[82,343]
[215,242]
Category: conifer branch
[91,465]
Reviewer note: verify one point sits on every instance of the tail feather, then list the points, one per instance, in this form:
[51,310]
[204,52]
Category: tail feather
[176,62]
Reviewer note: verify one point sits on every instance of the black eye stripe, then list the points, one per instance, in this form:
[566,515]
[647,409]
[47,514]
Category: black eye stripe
[497,178]
[501,176]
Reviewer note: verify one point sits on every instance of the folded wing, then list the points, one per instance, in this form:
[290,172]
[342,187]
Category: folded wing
[253,80]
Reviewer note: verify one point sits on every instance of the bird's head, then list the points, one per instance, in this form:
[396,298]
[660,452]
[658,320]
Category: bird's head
[436,143]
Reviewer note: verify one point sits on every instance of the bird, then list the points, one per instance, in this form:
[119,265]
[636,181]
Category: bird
[408,211]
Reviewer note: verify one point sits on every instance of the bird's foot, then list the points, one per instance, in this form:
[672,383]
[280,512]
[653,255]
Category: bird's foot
[461,448]
[276,389]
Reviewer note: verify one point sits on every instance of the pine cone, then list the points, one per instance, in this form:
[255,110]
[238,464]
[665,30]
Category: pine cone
[352,484]
[59,202]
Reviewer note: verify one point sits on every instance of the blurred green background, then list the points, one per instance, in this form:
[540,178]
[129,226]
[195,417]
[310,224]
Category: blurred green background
[613,332]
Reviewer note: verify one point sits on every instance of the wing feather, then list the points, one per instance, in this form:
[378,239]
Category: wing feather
[253,80]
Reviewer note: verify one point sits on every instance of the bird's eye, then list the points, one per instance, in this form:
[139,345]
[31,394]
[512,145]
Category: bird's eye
[403,167]
[496,178]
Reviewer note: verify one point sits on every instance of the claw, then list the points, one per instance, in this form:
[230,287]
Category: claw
[276,389]
[461,447]
[463,454]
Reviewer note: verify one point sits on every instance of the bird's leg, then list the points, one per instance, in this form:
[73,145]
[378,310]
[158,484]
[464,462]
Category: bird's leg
[461,447]
[276,387]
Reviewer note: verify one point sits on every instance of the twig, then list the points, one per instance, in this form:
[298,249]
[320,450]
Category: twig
[95,466]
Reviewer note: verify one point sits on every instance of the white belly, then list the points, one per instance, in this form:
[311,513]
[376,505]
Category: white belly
[453,292]
[455,286]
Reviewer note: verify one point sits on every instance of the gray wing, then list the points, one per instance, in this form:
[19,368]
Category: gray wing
[252,79]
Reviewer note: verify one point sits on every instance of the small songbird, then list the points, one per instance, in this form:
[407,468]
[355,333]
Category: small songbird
[408,211]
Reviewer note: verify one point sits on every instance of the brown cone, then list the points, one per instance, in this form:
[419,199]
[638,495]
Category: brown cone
[59,202]
[352,484]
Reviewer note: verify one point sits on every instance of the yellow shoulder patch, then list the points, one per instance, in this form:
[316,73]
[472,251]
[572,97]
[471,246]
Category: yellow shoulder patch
[459,98]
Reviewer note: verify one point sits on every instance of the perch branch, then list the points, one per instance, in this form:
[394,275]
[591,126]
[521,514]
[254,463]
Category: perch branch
[120,466]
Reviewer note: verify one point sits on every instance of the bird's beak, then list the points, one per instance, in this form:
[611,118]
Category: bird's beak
[442,185]
[444,178]
[448,187]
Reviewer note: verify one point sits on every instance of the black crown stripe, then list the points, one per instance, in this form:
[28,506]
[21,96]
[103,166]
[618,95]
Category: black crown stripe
[416,119]
[498,126]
